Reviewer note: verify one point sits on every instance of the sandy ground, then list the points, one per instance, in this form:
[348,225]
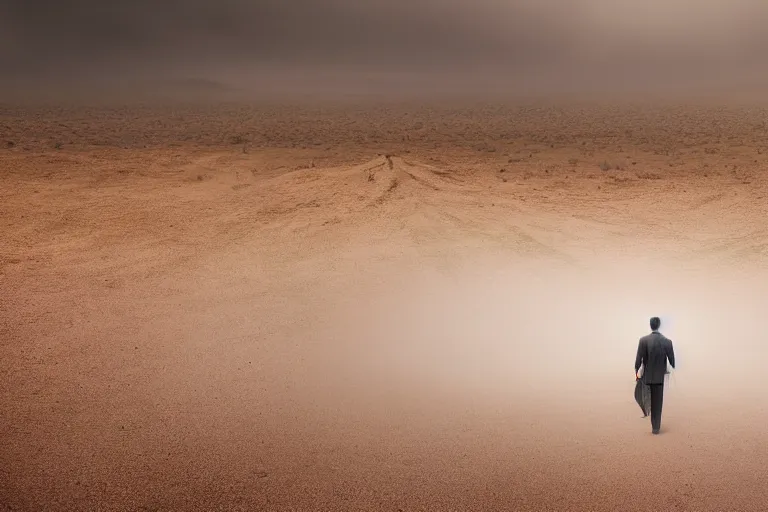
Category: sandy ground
[372,307]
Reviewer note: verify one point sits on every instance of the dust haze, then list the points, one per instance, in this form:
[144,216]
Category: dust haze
[334,256]
[423,46]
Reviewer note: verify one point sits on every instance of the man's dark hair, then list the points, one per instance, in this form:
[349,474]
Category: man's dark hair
[655,323]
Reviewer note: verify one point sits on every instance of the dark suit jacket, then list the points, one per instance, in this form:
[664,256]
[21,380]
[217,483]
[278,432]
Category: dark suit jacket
[653,351]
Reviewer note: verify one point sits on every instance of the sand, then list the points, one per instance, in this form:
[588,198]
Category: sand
[358,306]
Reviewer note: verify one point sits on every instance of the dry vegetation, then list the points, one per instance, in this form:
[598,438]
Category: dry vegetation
[659,129]
[312,307]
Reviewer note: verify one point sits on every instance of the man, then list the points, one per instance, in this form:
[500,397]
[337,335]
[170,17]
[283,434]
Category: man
[653,351]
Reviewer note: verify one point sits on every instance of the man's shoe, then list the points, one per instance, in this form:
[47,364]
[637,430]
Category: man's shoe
[655,432]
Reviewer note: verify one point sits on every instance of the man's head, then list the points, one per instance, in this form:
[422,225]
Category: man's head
[655,323]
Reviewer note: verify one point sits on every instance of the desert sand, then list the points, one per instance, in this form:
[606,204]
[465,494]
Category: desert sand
[361,305]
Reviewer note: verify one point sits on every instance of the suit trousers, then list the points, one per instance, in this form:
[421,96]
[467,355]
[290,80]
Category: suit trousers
[657,400]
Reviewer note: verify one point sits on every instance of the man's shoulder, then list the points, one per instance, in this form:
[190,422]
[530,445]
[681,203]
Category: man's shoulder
[657,336]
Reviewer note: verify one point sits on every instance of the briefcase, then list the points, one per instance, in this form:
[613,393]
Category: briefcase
[643,396]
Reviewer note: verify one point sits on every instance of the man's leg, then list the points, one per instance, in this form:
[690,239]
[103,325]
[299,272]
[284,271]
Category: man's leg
[657,400]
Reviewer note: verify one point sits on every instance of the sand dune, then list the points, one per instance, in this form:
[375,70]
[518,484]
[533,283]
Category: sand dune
[371,307]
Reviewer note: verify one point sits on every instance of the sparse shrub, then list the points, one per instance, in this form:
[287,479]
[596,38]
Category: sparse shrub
[486,147]
[57,145]
[606,166]
[238,139]
[573,161]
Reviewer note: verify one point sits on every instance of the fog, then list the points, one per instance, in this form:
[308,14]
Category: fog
[540,335]
[268,46]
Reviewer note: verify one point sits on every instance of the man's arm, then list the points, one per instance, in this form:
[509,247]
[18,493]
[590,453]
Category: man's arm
[671,354]
[639,359]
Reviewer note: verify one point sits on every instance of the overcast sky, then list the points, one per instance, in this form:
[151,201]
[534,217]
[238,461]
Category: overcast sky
[89,38]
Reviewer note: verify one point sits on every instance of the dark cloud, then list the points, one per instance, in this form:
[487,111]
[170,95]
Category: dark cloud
[89,31]
[90,38]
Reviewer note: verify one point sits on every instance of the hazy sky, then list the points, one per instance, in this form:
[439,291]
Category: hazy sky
[89,38]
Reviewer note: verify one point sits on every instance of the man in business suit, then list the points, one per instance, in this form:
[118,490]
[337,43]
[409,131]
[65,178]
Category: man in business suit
[653,351]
